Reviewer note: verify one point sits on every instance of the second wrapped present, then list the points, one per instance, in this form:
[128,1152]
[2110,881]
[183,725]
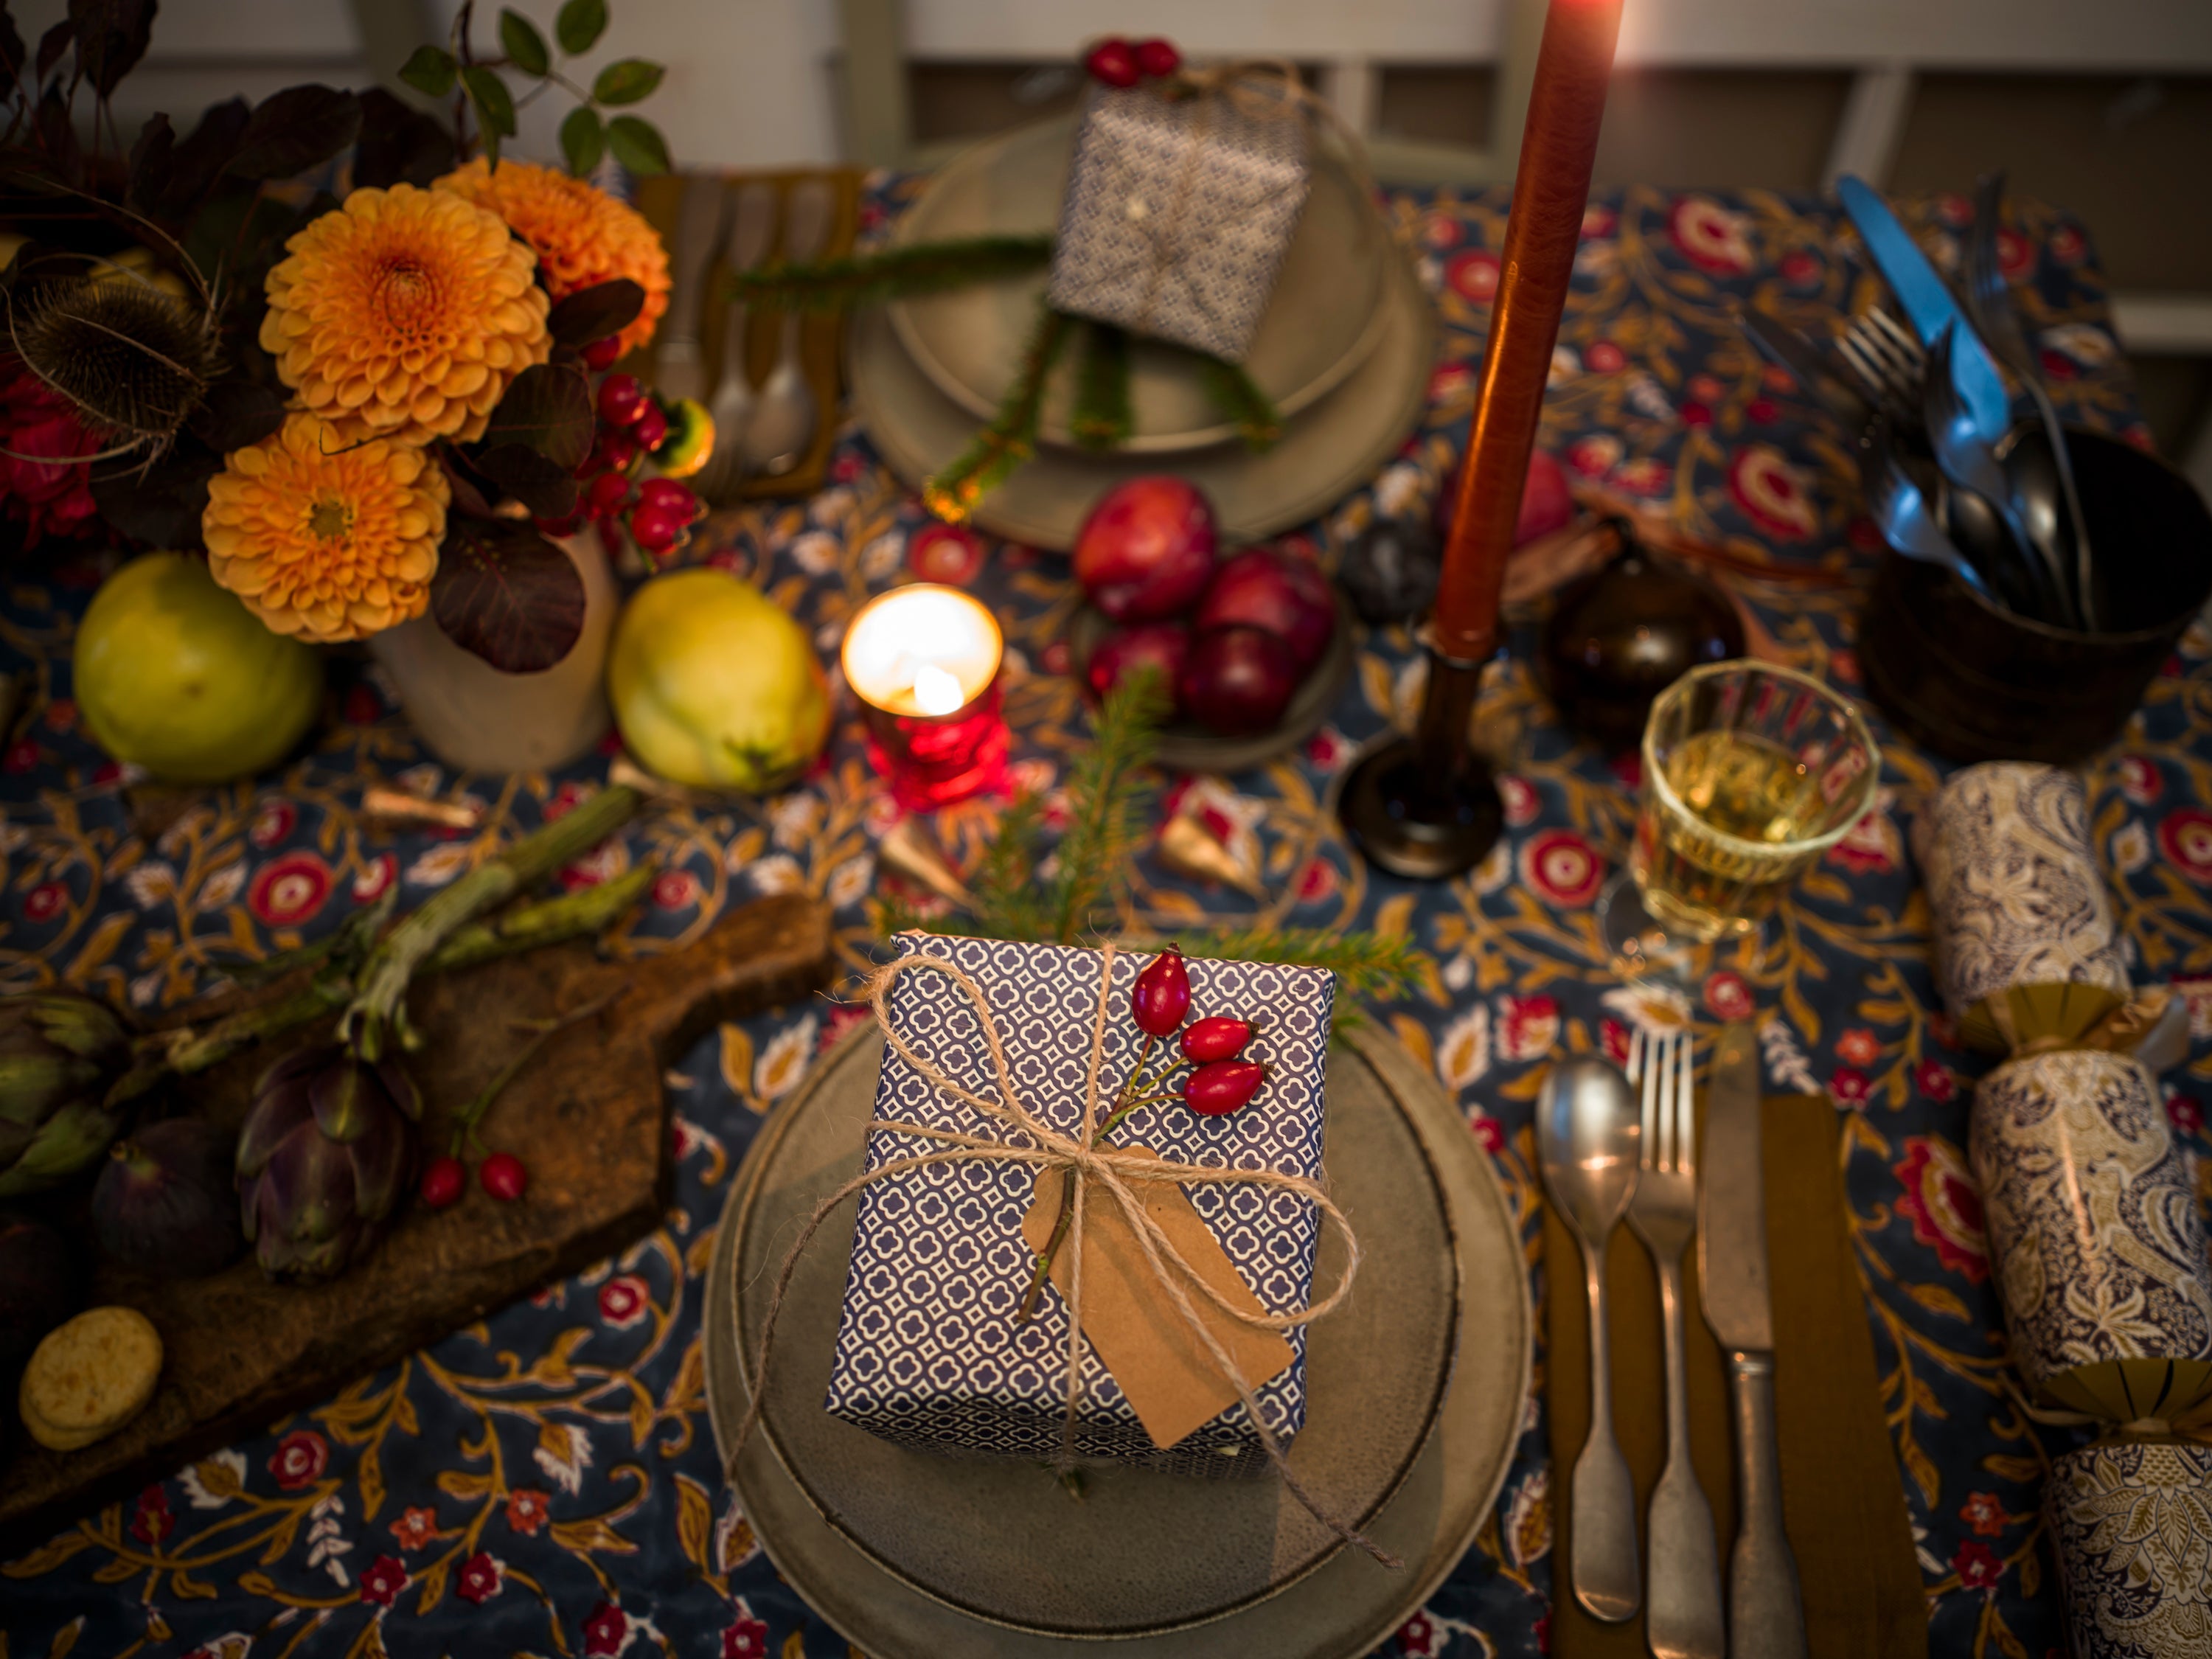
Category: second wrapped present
[932,1349]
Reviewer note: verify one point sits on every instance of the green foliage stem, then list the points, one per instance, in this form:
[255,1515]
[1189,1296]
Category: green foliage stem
[894,274]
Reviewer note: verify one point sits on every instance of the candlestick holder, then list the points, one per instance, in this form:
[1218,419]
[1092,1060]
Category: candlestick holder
[1426,806]
[924,661]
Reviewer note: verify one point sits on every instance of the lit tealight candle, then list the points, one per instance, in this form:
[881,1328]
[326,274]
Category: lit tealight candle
[924,662]
[922,650]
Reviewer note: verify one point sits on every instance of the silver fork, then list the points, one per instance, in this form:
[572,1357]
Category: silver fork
[1682,1617]
[1889,363]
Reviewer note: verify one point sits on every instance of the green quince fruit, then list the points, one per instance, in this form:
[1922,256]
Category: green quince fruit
[713,686]
[175,674]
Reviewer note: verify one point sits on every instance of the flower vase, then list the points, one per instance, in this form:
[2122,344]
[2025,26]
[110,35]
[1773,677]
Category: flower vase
[476,718]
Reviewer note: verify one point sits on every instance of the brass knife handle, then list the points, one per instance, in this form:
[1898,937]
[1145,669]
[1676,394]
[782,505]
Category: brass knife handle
[1766,1618]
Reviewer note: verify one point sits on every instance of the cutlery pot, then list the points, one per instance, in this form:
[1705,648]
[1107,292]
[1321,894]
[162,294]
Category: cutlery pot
[1974,682]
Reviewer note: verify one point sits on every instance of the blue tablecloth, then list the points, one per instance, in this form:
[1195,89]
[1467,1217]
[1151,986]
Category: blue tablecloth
[545,1482]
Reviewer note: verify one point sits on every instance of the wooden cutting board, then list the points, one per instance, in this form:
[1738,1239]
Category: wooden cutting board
[588,1116]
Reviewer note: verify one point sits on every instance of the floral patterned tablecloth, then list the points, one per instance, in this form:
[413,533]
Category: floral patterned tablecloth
[545,1482]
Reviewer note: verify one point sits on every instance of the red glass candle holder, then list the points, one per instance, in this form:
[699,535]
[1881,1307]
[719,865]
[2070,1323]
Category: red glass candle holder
[923,660]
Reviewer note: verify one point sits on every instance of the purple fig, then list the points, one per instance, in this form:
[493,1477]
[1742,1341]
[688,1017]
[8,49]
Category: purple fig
[164,1203]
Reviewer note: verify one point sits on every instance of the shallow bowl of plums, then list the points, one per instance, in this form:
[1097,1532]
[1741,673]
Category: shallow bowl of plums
[1254,644]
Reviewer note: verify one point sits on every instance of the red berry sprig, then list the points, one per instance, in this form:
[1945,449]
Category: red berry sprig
[1117,62]
[445,1178]
[1223,1082]
[504,1176]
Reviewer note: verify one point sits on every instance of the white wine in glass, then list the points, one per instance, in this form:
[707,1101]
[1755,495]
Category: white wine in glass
[1750,773]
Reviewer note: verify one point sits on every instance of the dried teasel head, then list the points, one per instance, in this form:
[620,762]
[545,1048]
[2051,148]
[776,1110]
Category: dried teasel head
[134,360]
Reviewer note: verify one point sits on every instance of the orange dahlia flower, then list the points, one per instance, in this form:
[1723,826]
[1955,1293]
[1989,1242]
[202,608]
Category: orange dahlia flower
[324,539]
[583,236]
[403,314]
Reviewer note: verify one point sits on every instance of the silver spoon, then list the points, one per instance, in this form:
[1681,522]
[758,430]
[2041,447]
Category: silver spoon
[1900,512]
[1589,1131]
[1989,307]
[1968,464]
[782,426]
[751,226]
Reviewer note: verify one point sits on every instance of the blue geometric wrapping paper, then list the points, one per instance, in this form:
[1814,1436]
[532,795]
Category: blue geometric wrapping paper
[928,1352]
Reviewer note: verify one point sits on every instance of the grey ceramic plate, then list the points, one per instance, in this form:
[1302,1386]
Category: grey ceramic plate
[1187,746]
[910,1553]
[1325,317]
[1324,453]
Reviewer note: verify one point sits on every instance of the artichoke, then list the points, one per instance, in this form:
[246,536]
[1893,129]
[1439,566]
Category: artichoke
[324,1159]
[60,1054]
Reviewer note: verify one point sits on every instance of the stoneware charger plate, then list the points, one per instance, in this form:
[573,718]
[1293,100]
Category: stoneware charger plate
[1418,1389]
[1324,318]
[1187,746]
[1325,452]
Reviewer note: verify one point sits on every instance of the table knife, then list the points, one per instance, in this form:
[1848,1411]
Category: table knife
[1766,1619]
[679,370]
[1928,305]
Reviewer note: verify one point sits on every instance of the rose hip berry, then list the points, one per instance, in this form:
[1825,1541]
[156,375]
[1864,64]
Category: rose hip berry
[444,1180]
[1157,57]
[666,496]
[1219,1088]
[611,452]
[504,1176]
[622,399]
[602,354]
[1113,61]
[1216,1037]
[1161,997]
[606,494]
[655,528]
[651,427]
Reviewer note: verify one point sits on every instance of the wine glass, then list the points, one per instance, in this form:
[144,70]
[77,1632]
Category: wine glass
[1750,773]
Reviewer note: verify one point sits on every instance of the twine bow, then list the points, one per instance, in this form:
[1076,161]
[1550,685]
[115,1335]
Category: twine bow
[1112,1170]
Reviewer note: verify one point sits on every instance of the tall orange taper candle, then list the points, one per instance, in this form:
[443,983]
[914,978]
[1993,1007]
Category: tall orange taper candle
[1550,190]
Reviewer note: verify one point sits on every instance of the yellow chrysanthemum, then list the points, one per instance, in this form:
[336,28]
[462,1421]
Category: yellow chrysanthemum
[403,314]
[323,540]
[583,236]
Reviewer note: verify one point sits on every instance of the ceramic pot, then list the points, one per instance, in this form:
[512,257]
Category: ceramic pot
[475,717]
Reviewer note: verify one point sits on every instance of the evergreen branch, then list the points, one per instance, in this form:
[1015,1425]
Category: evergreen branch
[1011,438]
[1102,420]
[895,274]
[1104,796]
[1381,966]
[1241,402]
[1005,885]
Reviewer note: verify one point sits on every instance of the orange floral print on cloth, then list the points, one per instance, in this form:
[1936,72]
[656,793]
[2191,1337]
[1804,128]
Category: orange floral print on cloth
[547,1482]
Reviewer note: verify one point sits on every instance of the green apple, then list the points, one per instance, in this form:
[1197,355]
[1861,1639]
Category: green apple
[713,686]
[174,673]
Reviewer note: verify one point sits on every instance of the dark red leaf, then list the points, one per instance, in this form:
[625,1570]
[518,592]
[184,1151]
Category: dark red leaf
[111,39]
[56,134]
[548,408]
[294,129]
[237,413]
[545,487]
[52,45]
[161,505]
[504,592]
[153,158]
[202,154]
[399,144]
[11,46]
[592,313]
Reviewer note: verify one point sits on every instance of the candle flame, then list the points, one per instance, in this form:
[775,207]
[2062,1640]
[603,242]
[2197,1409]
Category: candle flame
[936,691]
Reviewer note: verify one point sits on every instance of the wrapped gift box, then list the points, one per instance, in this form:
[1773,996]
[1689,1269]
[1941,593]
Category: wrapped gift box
[1178,211]
[929,1352]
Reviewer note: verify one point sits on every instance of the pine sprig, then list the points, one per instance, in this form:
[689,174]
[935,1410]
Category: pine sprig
[1102,419]
[1011,438]
[1240,400]
[1377,965]
[1106,798]
[1005,885]
[894,274]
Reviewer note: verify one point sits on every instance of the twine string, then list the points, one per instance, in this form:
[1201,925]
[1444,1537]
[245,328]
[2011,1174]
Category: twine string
[1114,1170]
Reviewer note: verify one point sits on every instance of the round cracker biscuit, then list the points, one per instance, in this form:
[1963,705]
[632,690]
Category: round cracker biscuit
[90,1377]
